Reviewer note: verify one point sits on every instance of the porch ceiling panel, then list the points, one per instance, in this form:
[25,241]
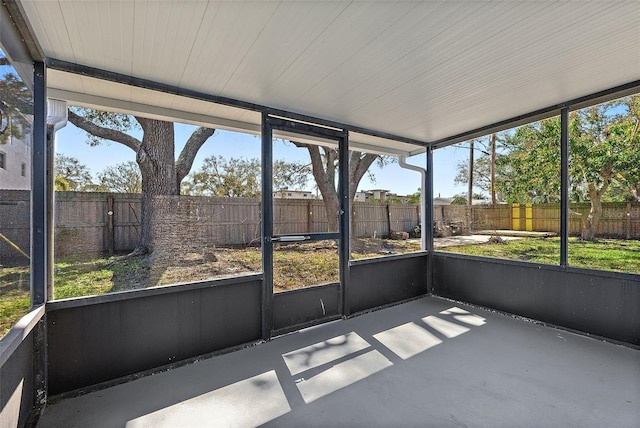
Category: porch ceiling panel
[421,70]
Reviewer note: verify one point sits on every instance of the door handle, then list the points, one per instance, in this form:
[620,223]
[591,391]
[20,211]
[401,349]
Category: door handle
[294,238]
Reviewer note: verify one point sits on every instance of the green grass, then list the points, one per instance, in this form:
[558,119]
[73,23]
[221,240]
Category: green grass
[14,296]
[73,278]
[295,266]
[605,254]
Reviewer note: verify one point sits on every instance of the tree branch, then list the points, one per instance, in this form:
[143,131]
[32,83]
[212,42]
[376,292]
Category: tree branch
[106,133]
[358,165]
[190,150]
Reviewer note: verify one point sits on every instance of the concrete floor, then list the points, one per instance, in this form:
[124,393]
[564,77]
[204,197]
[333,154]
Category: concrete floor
[427,363]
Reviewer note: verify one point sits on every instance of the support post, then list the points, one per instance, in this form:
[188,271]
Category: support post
[427,224]
[428,201]
[267,228]
[51,133]
[41,234]
[564,186]
[345,221]
[39,190]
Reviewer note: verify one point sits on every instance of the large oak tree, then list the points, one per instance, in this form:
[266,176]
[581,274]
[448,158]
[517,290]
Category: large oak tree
[161,172]
[324,164]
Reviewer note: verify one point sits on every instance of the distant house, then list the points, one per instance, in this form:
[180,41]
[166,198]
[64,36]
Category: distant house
[15,162]
[293,194]
[442,201]
[447,201]
[379,195]
[368,195]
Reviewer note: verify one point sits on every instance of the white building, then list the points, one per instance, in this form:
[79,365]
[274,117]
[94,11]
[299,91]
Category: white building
[379,195]
[15,161]
[294,194]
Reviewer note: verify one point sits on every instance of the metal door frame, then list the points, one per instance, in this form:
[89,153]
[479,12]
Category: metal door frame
[341,136]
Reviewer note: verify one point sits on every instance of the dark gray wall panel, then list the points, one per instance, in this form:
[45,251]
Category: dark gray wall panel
[606,304]
[385,280]
[97,340]
[17,385]
[304,306]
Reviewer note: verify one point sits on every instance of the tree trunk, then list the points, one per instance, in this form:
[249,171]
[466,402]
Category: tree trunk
[591,221]
[155,157]
[324,172]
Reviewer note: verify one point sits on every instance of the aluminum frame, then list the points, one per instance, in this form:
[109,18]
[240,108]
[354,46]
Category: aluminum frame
[269,124]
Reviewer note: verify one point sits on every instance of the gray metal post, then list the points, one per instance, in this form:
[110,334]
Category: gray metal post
[564,186]
[427,225]
[345,221]
[40,233]
[267,228]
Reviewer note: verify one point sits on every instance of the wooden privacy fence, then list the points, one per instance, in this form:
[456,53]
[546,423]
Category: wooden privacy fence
[618,220]
[94,223]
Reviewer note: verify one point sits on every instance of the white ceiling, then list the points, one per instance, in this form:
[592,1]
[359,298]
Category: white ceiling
[425,70]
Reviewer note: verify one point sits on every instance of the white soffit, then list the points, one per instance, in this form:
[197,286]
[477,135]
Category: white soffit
[422,70]
[90,92]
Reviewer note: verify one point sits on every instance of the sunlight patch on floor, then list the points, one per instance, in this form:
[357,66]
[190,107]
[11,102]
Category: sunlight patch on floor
[249,402]
[323,352]
[465,316]
[407,340]
[342,375]
[446,328]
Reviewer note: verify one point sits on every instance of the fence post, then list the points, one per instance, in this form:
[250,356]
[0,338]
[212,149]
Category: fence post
[110,215]
[628,214]
[389,219]
[309,216]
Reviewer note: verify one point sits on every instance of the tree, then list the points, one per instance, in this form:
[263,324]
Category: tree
[324,164]
[484,175]
[70,174]
[481,173]
[604,149]
[240,177]
[60,184]
[161,172]
[604,146]
[415,197]
[290,175]
[629,175]
[234,178]
[530,167]
[124,177]
[16,105]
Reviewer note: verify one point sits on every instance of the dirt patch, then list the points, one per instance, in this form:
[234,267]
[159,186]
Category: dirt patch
[296,265]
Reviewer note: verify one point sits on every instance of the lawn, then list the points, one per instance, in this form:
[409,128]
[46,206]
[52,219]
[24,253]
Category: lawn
[295,266]
[605,254]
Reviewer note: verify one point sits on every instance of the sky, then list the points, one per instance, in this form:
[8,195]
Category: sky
[71,141]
